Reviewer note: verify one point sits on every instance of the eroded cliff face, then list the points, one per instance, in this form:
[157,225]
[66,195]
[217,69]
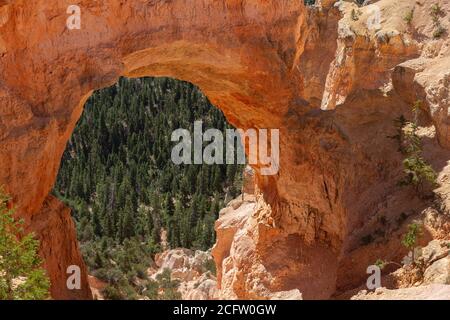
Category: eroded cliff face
[266,64]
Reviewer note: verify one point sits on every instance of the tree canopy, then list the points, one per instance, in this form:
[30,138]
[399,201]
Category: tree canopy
[118,177]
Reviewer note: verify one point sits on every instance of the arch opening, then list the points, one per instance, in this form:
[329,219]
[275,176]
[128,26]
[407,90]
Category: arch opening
[136,211]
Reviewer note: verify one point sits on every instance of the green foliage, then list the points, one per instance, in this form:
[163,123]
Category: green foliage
[381,264]
[399,124]
[21,275]
[112,293]
[418,172]
[439,31]
[436,9]
[117,174]
[411,237]
[118,177]
[409,16]
[436,12]
[167,286]
[152,290]
[210,265]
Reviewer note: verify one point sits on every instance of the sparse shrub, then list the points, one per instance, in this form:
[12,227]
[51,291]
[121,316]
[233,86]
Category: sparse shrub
[21,274]
[131,276]
[112,293]
[210,265]
[101,274]
[411,237]
[409,16]
[381,264]
[129,291]
[168,286]
[436,9]
[435,13]
[399,124]
[355,15]
[114,275]
[438,32]
[141,271]
[418,172]
[152,289]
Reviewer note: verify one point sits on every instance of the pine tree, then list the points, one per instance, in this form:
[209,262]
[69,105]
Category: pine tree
[128,226]
[96,222]
[21,275]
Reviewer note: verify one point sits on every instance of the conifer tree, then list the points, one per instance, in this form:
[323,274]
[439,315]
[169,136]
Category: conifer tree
[21,274]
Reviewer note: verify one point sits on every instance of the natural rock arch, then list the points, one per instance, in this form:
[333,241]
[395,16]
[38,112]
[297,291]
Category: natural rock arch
[262,62]
[241,56]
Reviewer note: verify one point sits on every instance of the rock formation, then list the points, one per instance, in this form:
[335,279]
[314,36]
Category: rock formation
[431,292]
[97,286]
[429,280]
[239,271]
[190,269]
[332,78]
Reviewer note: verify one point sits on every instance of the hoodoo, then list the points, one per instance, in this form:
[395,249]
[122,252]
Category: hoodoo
[329,81]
